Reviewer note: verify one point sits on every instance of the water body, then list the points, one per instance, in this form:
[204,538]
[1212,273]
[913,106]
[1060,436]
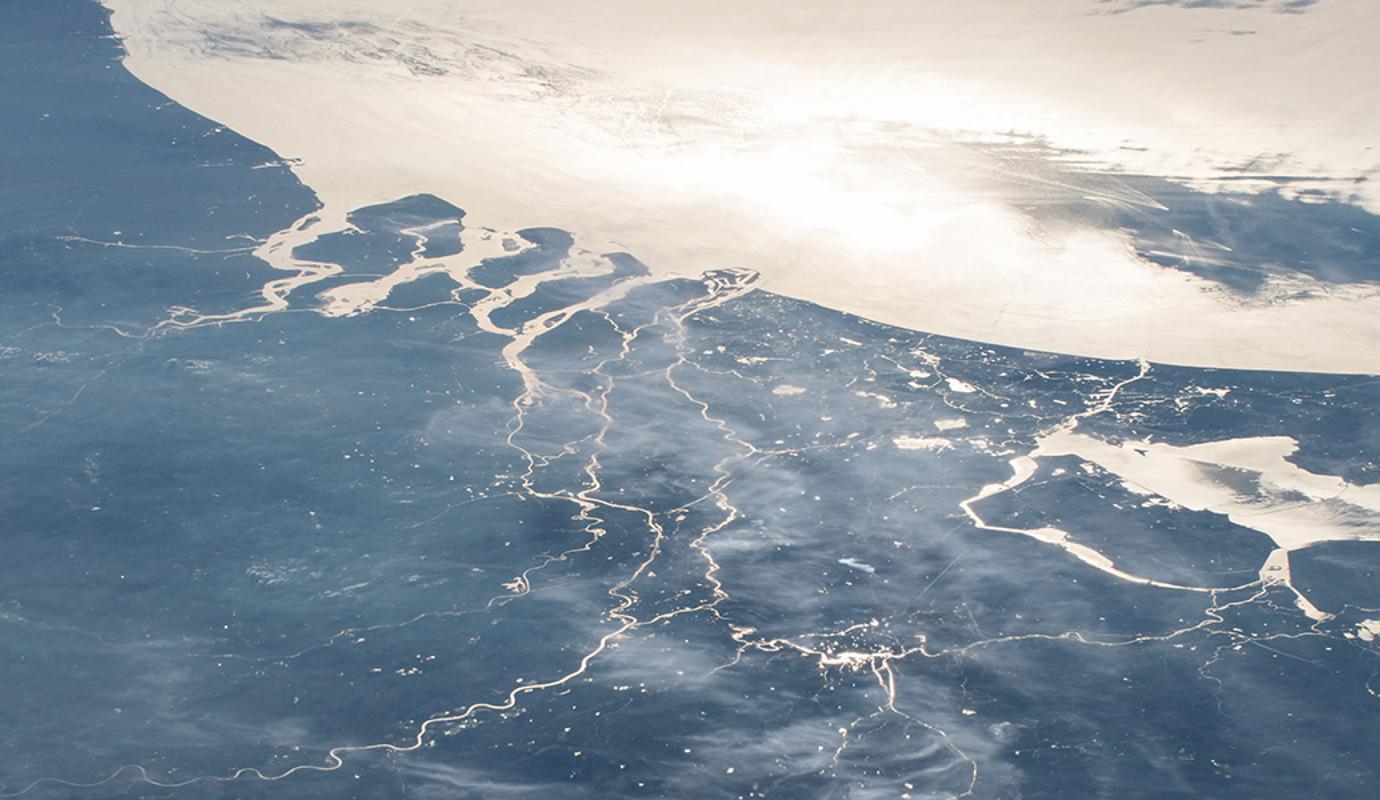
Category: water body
[395,505]
[1167,181]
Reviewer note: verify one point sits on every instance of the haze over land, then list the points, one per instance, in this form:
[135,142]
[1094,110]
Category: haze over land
[356,461]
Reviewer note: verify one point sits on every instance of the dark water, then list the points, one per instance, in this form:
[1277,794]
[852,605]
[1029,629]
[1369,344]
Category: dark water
[239,547]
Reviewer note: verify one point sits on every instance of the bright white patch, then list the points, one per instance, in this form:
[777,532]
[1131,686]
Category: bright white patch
[882,400]
[1204,391]
[787,390]
[935,443]
[950,424]
[1368,629]
[1292,506]
[829,148]
[1134,488]
[1251,482]
[856,564]
[957,385]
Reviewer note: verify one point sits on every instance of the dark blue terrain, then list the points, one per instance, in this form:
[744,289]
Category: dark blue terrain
[688,540]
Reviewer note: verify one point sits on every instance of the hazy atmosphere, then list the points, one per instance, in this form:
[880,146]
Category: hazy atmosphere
[436,399]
